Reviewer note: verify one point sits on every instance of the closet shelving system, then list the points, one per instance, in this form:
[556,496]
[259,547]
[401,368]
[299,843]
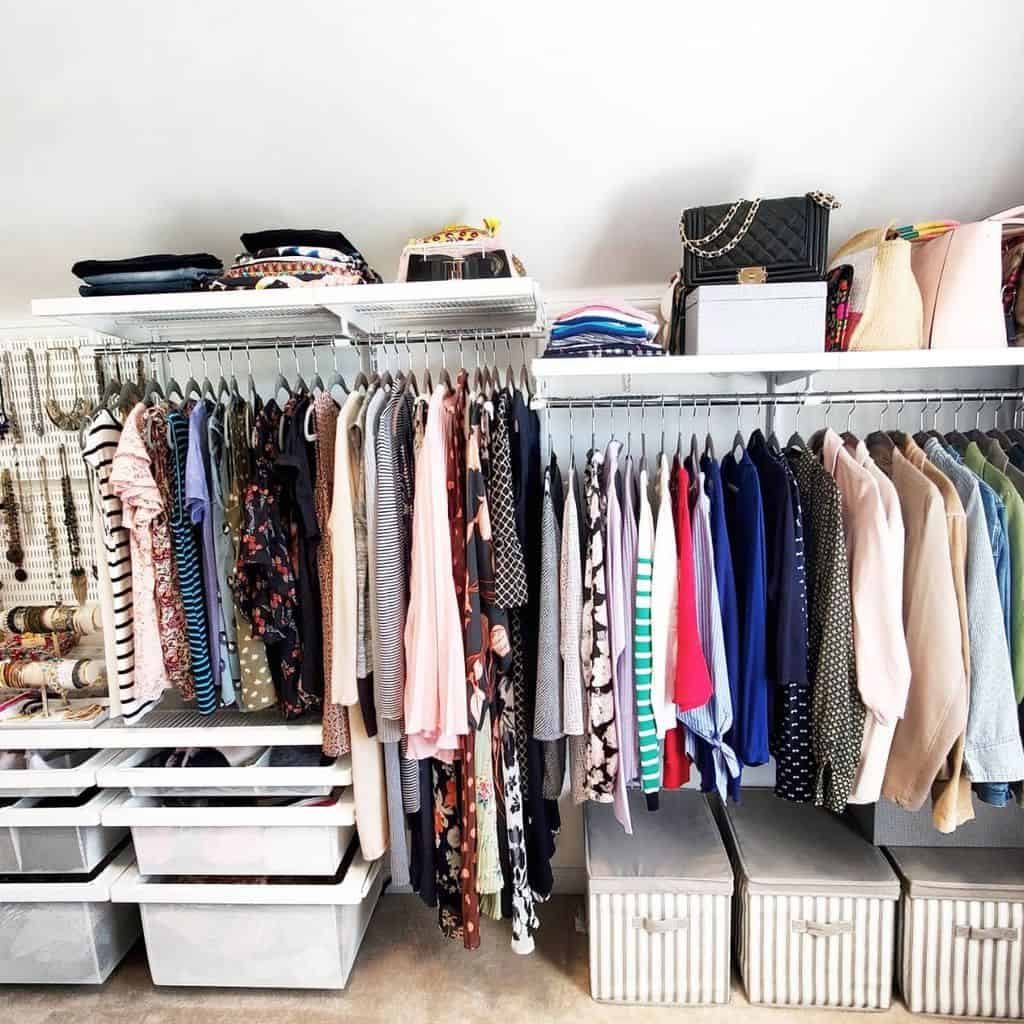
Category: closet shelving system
[381,320]
[448,314]
[439,313]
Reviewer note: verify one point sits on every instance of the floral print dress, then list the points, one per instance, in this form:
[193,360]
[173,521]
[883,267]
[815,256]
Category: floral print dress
[264,581]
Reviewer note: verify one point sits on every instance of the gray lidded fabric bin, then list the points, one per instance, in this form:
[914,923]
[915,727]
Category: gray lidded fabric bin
[961,932]
[658,904]
[815,913]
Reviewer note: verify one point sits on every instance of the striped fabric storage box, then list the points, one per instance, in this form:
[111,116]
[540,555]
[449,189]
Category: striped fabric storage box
[961,932]
[815,908]
[658,904]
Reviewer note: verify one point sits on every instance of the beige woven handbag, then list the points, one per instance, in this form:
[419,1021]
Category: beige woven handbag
[885,301]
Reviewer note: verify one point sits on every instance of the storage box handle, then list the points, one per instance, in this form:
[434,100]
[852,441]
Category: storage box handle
[824,930]
[965,931]
[655,926]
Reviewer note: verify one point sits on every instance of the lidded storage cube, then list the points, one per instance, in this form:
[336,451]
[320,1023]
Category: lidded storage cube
[658,903]
[962,931]
[815,909]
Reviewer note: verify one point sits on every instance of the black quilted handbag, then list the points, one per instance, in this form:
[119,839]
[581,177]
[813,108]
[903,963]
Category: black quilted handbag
[773,240]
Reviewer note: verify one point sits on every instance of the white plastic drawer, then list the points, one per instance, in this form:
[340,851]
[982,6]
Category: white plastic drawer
[65,933]
[129,771]
[38,838]
[236,934]
[236,840]
[74,772]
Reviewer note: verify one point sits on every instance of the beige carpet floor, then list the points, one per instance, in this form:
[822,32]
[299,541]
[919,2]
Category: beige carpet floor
[405,973]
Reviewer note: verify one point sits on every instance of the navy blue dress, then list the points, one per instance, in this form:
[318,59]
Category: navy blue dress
[745,522]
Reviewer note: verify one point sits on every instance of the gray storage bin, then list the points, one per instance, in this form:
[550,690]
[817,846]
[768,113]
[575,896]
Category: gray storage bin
[65,933]
[658,904]
[961,933]
[886,824]
[247,935]
[815,907]
[56,835]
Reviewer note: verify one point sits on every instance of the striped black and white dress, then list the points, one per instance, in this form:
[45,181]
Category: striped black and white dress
[115,563]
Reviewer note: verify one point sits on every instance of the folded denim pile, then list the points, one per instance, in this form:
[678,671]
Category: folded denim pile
[604,329]
[293,258]
[147,275]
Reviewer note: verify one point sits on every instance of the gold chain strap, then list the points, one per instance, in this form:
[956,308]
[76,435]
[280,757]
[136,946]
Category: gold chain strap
[696,245]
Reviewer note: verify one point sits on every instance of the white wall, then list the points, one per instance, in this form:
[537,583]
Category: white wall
[129,128]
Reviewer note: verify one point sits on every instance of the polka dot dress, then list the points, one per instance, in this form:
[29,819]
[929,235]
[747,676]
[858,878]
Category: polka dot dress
[837,714]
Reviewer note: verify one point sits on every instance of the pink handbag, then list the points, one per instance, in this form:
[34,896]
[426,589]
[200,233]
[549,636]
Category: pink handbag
[959,272]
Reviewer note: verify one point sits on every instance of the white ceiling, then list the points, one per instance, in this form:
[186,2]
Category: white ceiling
[131,128]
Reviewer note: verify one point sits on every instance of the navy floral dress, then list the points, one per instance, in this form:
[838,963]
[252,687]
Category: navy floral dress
[264,582]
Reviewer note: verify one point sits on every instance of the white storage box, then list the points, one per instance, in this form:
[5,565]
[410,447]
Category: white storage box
[65,933]
[752,319]
[129,771]
[962,931]
[236,934]
[47,835]
[816,906]
[658,904]
[252,840]
[71,773]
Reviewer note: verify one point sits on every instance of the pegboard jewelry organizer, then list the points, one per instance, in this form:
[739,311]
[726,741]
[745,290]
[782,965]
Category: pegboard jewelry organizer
[66,386]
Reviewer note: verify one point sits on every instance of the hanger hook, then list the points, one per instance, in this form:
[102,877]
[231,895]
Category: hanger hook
[849,417]
[977,415]
[956,414]
[663,424]
[593,425]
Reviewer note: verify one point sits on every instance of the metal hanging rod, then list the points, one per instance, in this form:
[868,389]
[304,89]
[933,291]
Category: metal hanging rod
[801,398]
[468,338]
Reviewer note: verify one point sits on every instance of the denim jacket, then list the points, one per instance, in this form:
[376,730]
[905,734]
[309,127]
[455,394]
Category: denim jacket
[993,750]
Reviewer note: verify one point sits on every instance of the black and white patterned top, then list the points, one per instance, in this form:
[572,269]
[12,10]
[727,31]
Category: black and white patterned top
[837,714]
[509,565]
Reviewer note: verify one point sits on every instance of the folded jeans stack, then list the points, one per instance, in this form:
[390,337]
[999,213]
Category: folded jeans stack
[291,258]
[147,275]
[604,329]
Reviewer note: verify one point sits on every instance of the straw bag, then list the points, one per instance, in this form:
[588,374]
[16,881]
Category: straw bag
[885,302]
[959,271]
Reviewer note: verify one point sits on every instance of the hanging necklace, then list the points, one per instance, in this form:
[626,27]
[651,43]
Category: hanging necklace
[79,581]
[9,508]
[5,422]
[35,395]
[61,418]
[11,415]
[51,531]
